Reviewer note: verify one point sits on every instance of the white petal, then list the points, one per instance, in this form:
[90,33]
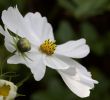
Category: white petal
[1,97]
[74,49]
[9,42]
[88,81]
[19,59]
[47,32]
[13,91]
[40,26]
[15,22]
[34,62]
[76,87]
[16,59]
[55,62]
[38,68]
[2,30]
[81,68]
[85,76]
[72,69]
[81,82]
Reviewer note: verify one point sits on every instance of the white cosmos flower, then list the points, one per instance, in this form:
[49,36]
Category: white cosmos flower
[44,52]
[8,90]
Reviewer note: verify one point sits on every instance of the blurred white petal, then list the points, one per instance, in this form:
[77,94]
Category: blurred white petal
[2,30]
[9,44]
[8,40]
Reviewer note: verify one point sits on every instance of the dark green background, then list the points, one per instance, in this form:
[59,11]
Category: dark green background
[71,20]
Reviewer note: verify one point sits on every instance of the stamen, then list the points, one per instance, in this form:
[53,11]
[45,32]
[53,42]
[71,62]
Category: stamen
[4,90]
[48,47]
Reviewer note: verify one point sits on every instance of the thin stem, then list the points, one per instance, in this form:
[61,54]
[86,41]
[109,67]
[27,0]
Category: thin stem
[24,80]
[2,64]
[8,73]
[1,69]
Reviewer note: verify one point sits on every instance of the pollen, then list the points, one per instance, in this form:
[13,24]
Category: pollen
[48,47]
[4,90]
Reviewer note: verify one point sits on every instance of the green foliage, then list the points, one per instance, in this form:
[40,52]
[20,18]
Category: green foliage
[91,35]
[55,91]
[65,32]
[4,4]
[84,8]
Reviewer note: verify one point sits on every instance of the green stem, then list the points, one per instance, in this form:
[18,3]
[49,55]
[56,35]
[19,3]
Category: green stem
[24,80]
[2,64]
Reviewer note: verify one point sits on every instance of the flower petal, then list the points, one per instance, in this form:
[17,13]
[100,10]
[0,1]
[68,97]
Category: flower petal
[40,26]
[72,69]
[76,87]
[74,49]
[34,62]
[15,22]
[1,97]
[2,30]
[13,91]
[38,68]
[55,62]
[81,82]
[16,59]
[88,81]
[85,76]
[9,42]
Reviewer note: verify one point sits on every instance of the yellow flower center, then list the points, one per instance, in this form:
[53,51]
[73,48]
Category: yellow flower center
[48,47]
[4,90]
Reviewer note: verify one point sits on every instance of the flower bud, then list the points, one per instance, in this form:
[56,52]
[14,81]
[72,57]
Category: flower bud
[23,45]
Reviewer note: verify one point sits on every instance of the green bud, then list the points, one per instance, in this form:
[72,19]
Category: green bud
[23,45]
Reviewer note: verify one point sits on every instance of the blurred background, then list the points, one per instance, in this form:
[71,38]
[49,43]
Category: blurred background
[71,20]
